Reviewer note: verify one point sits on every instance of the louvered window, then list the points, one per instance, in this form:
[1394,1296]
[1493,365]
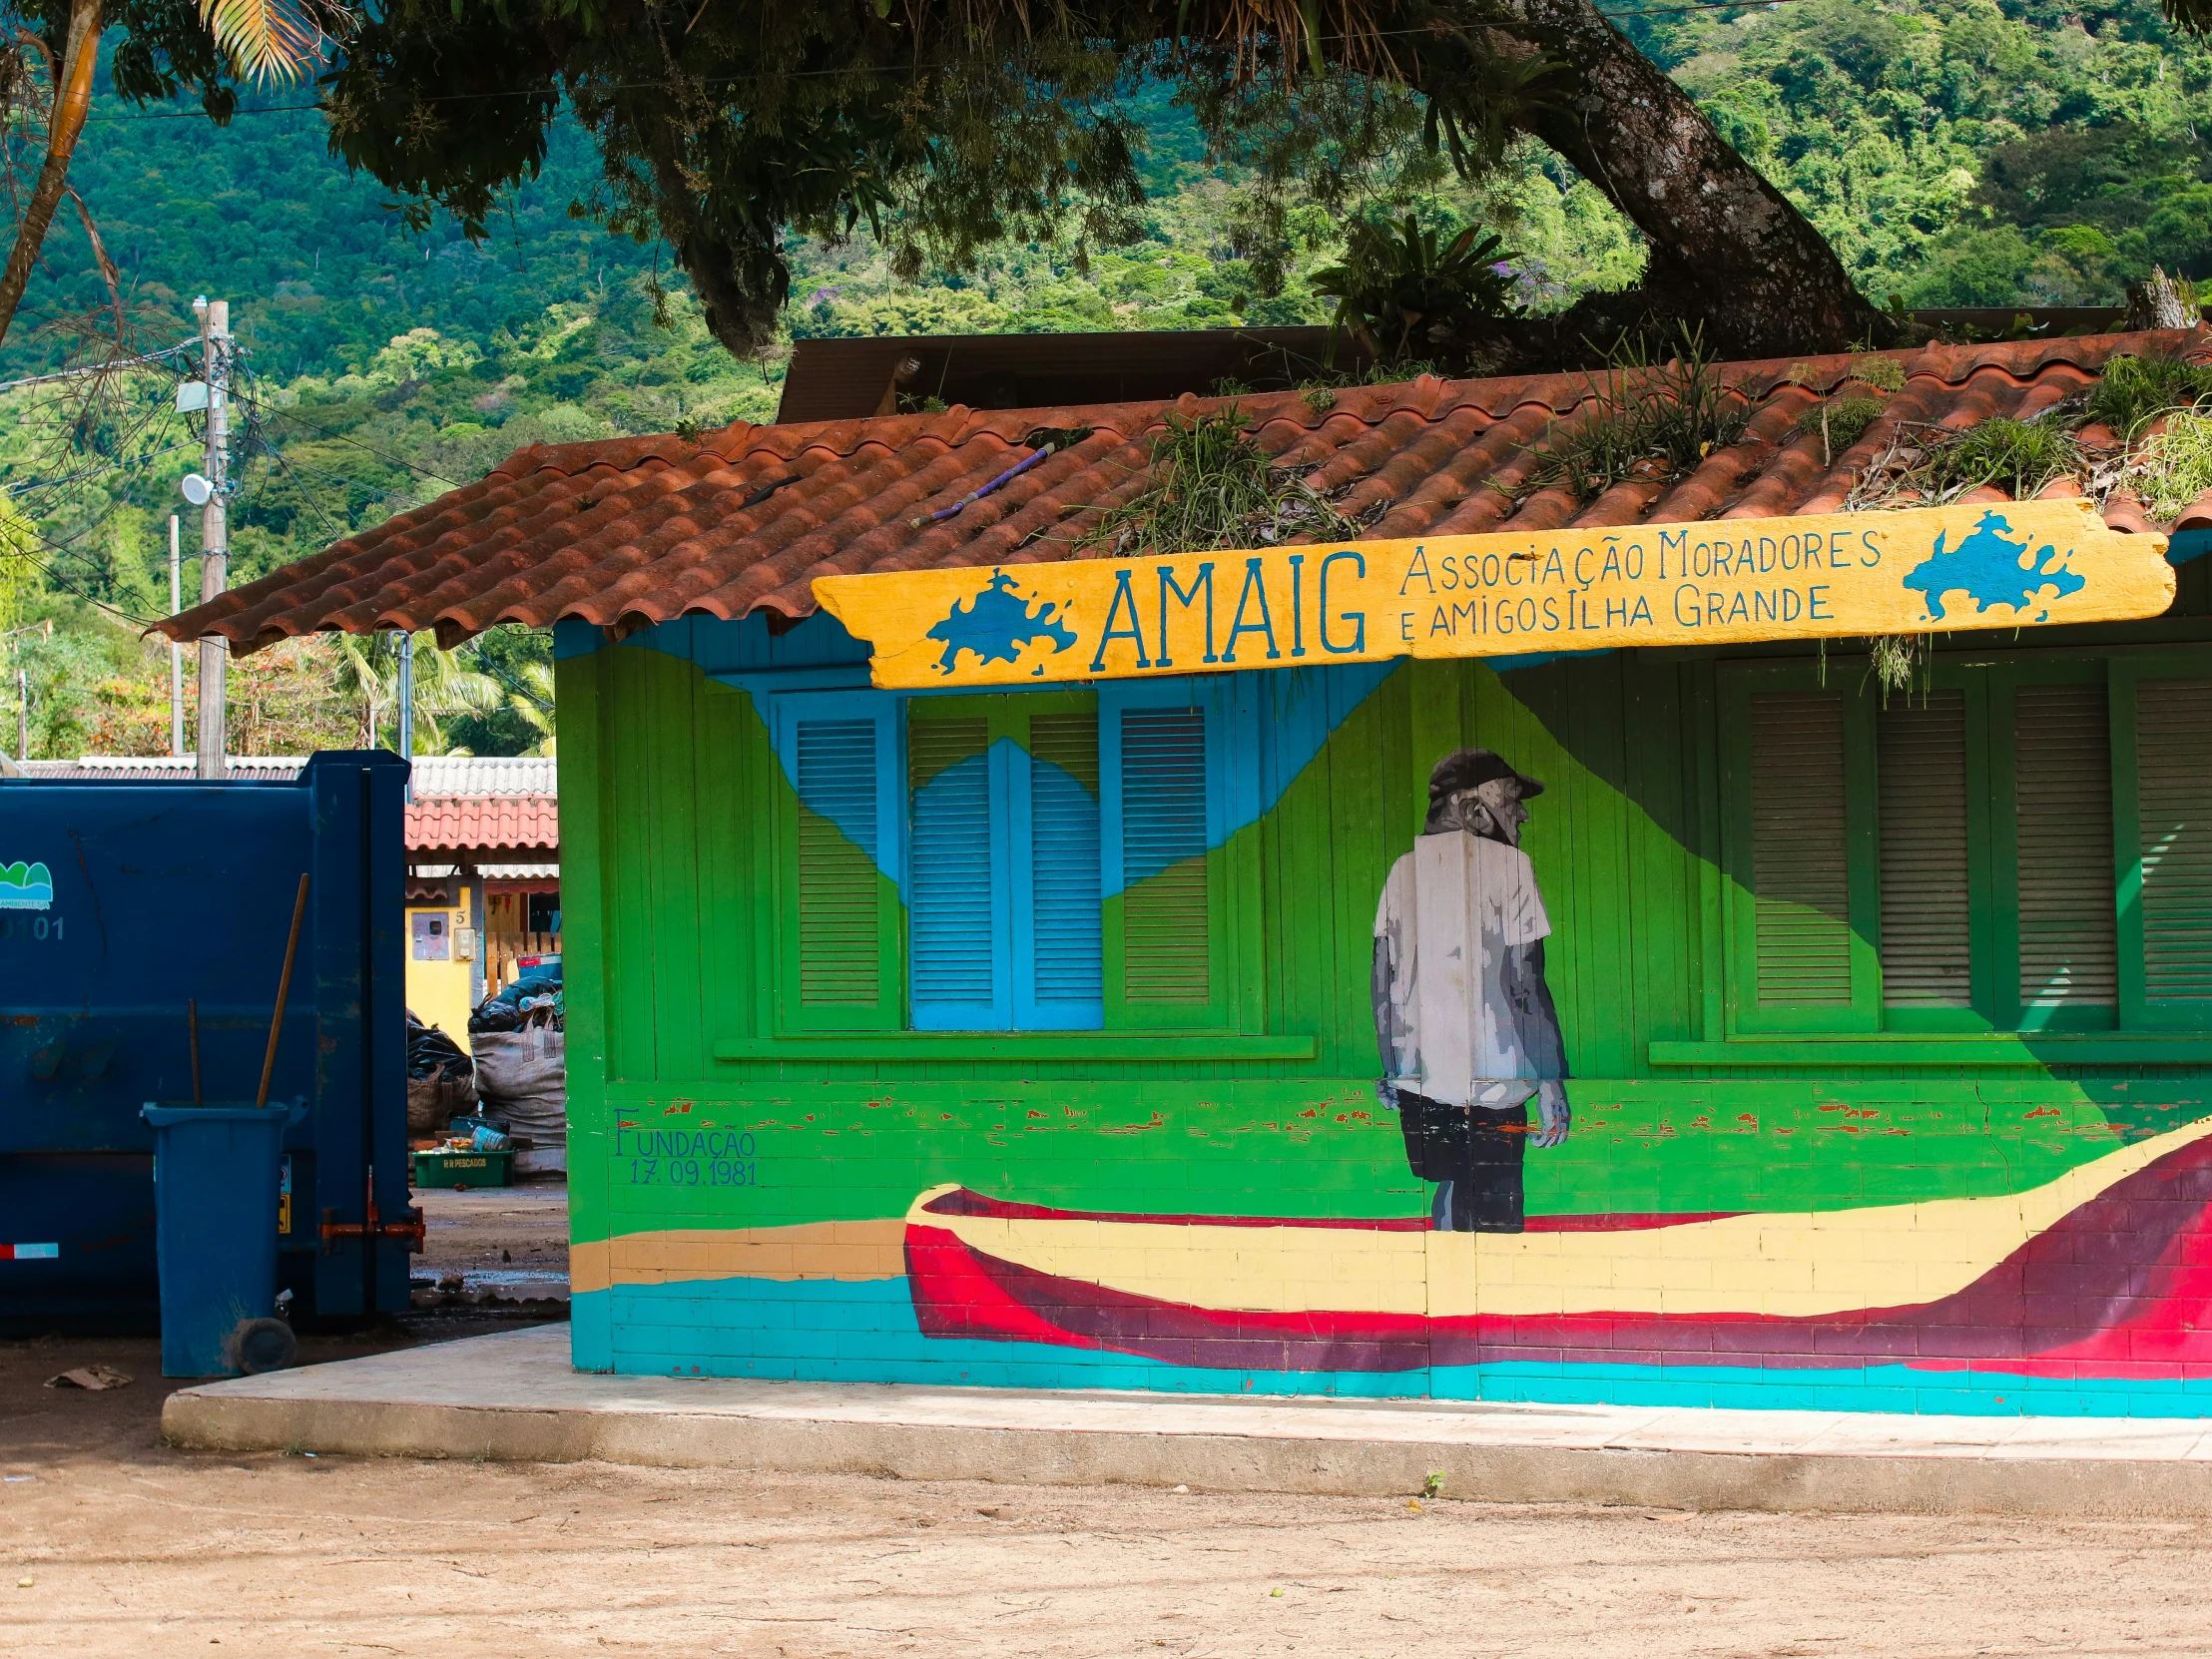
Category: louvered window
[1061,962]
[1926,912]
[1164,921]
[2022,845]
[957,908]
[1162,799]
[841,927]
[2173,772]
[1801,888]
[2063,784]
[1003,882]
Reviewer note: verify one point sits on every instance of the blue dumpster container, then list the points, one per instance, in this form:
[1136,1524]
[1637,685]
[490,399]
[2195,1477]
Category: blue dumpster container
[172,890]
[215,1176]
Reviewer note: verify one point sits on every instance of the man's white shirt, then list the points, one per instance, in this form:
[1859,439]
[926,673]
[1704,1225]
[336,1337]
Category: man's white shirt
[1451,910]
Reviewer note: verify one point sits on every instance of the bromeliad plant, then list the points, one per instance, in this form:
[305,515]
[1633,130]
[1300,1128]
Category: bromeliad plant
[1403,292]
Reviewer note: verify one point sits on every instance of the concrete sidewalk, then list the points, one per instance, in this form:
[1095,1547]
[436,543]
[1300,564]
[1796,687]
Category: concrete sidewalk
[513,1396]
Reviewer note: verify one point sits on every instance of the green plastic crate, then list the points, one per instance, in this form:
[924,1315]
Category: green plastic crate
[459,1170]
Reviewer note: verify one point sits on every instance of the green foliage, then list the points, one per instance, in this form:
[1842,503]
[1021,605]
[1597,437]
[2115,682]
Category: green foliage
[1645,420]
[519,661]
[2177,466]
[1213,487]
[2136,390]
[1883,373]
[2020,455]
[1840,422]
[1934,145]
[1400,286]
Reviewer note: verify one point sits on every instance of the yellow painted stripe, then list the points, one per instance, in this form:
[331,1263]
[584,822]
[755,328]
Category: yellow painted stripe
[842,1249]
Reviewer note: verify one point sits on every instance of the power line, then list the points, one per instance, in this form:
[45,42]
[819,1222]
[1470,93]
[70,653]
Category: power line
[275,413]
[138,361]
[56,577]
[94,471]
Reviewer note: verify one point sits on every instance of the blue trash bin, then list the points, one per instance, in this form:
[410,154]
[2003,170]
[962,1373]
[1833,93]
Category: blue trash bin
[216,1175]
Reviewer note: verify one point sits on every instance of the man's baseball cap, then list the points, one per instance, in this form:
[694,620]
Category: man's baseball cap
[1464,769]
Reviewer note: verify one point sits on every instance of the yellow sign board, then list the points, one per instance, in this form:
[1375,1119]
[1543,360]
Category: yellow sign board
[2005,565]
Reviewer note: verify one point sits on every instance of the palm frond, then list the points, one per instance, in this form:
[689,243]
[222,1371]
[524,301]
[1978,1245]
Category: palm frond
[270,41]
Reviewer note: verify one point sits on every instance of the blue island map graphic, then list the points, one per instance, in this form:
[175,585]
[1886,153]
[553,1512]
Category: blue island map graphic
[1992,570]
[996,624]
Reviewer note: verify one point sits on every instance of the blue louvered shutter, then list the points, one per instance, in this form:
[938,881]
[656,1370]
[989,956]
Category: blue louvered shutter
[840,918]
[1058,960]
[957,897]
[1161,806]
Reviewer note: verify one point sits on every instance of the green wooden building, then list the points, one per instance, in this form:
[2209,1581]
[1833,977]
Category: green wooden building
[1028,1037]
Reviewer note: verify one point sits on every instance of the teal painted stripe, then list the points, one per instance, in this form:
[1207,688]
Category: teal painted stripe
[867,1333]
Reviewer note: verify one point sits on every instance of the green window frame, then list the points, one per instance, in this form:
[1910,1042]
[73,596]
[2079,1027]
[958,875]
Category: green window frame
[2022,844]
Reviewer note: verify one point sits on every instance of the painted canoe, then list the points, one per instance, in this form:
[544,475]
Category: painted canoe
[2110,1263]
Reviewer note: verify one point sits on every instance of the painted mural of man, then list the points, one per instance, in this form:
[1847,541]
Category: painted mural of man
[1462,1016]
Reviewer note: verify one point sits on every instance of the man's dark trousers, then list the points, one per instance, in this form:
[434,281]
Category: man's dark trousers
[1478,1150]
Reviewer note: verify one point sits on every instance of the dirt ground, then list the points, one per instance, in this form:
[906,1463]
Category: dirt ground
[113,1544]
[510,1241]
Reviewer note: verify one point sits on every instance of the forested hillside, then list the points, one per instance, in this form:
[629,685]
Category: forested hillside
[1956,152]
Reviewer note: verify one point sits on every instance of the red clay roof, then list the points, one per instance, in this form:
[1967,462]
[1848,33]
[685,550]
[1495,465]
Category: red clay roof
[641,530]
[483,824]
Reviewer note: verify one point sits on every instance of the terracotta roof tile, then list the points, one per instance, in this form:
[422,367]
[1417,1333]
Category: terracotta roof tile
[483,822]
[640,530]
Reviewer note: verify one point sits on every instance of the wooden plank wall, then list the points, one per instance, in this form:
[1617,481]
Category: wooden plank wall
[688,865]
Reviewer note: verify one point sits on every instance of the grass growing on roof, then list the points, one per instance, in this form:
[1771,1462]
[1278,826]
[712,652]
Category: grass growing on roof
[1842,421]
[1646,420]
[2020,455]
[1213,487]
[2177,466]
[2134,392]
[1883,372]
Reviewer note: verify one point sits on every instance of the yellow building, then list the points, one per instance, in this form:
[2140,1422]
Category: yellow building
[483,880]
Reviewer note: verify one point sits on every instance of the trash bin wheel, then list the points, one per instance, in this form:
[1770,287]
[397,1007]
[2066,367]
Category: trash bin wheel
[265,1344]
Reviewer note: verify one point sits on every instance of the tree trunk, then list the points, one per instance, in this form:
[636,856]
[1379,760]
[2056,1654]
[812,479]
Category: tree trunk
[2158,301]
[66,123]
[1727,248]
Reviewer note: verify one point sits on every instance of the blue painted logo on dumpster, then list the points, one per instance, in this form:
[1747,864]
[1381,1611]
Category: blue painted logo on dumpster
[26,887]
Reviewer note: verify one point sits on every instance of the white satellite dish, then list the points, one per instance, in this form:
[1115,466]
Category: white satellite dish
[196,489]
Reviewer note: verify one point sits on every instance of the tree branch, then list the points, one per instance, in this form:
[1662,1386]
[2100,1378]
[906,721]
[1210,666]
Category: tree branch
[71,101]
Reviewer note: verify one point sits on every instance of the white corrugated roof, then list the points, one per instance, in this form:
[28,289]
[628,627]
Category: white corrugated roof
[470,775]
[436,775]
[277,767]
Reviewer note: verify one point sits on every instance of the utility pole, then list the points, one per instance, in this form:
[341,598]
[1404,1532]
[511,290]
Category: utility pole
[176,651]
[406,705]
[214,542]
[23,682]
